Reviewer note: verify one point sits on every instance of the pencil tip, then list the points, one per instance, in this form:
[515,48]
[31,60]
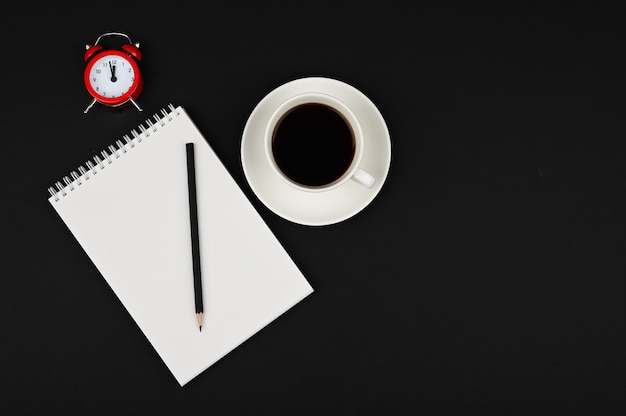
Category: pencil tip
[199,317]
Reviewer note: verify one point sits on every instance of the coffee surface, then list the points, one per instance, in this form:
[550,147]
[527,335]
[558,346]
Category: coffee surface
[313,145]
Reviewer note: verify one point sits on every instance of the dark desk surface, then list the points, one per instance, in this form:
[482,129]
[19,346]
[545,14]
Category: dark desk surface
[488,277]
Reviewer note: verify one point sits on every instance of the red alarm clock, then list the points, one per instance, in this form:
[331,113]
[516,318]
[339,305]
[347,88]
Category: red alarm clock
[112,76]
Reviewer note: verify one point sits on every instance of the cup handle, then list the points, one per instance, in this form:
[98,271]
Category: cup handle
[363,178]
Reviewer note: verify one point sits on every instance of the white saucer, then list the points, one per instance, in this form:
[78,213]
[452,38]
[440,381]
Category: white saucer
[316,208]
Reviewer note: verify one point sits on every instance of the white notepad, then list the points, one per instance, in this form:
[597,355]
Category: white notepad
[129,210]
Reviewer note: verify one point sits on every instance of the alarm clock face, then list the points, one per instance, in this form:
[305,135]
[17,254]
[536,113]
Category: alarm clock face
[112,77]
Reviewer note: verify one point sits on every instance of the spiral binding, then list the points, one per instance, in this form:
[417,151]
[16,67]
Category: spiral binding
[107,157]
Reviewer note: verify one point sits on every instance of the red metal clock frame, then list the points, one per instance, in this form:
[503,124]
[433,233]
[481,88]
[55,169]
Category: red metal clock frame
[133,92]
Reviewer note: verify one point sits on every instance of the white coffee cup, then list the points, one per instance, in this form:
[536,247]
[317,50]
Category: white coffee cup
[317,113]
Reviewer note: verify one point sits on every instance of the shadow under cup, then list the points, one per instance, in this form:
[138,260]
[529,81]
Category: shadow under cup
[313,145]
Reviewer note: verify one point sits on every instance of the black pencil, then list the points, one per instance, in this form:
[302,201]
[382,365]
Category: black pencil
[195,241]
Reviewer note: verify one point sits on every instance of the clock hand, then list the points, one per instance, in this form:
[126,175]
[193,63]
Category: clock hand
[113,77]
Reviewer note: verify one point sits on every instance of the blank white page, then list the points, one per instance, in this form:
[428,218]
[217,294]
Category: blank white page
[130,214]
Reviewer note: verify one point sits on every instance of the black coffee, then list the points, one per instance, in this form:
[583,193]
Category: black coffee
[313,145]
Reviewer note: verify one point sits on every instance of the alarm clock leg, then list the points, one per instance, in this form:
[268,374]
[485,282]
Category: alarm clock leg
[135,104]
[90,105]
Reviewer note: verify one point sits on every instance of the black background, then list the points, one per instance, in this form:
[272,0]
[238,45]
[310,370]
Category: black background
[487,277]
